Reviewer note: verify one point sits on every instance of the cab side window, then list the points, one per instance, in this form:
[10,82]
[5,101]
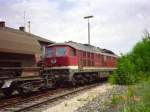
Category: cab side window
[72,52]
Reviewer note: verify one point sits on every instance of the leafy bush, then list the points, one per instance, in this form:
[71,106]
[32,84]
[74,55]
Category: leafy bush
[132,66]
[124,70]
[141,55]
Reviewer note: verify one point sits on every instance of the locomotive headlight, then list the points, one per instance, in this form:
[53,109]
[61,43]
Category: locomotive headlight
[56,76]
[53,61]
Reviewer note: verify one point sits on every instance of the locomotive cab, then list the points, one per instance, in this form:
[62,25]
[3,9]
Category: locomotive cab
[60,61]
[60,56]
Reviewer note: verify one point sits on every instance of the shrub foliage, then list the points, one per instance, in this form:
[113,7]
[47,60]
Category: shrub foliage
[133,66]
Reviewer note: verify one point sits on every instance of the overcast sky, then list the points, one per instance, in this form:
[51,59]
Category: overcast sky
[117,24]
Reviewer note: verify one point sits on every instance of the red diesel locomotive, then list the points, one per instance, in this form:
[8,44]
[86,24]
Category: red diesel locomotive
[77,63]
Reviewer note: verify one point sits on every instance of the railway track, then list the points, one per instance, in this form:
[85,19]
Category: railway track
[8,104]
[29,103]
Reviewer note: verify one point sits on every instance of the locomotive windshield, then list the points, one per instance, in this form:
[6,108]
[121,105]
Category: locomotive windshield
[61,51]
[49,52]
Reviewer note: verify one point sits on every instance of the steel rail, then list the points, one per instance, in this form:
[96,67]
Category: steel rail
[51,100]
[43,98]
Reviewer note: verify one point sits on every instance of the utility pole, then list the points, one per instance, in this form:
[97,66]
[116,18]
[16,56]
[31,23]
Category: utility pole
[24,18]
[29,26]
[88,17]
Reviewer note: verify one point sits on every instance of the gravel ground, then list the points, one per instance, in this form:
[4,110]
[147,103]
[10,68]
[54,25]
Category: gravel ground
[72,103]
[102,102]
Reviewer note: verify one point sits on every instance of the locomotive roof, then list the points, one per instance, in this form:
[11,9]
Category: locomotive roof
[87,47]
[12,41]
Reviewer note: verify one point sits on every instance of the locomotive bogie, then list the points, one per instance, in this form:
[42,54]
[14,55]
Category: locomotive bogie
[22,85]
[29,79]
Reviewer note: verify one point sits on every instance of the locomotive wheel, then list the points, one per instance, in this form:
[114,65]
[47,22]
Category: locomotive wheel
[54,85]
[73,82]
[20,91]
[7,91]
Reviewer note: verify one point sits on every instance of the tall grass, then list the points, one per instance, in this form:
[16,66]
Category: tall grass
[137,98]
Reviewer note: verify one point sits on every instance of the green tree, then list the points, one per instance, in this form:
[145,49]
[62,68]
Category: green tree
[132,66]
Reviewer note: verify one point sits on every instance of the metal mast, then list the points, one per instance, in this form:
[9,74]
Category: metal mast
[88,17]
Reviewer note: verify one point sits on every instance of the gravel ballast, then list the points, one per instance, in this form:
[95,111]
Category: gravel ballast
[101,103]
[72,104]
[96,99]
